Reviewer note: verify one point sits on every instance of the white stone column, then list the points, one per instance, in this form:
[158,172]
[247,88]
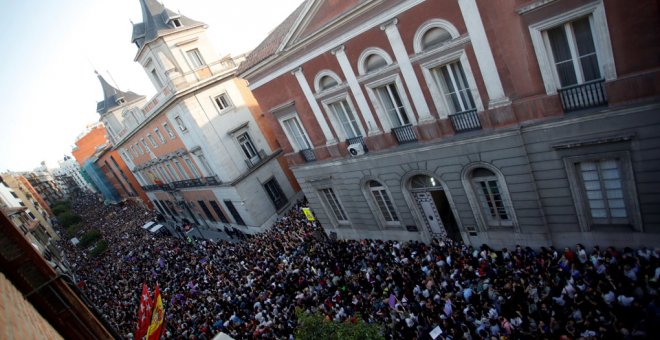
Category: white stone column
[351,79]
[484,55]
[330,139]
[407,70]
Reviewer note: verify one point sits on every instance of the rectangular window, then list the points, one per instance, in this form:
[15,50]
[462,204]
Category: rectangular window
[181,170]
[222,101]
[144,144]
[13,194]
[219,212]
[296,133]
[453,82]
[160,136]
[156,79]
[152,140]
[248,148]
[333,203]
[573,52]
[169,131]
[195,58]
[234,213]
[139,148]
[275,193]
[384,203]
[490,197]
[206,210]
[179,122]
[604,192]
[166,176]
[32,215]
[393,105]
[205,164]
[192,167]
[171,172]
[346,118]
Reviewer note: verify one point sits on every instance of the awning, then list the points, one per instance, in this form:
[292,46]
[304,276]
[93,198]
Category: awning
[148,225]
[156,228]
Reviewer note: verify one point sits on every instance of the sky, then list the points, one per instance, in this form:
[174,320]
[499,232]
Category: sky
[52,47]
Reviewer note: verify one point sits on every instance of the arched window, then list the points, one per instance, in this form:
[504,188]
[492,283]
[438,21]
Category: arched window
[327,82]
[423,182]
[382,199]
[435,37]
[489,196]
[374,62]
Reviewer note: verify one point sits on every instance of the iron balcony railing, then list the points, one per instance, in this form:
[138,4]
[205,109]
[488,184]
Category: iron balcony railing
[583,96]
[188,183]
[308,155]
[212,180]
[465,121]
[405,134]
[357,140]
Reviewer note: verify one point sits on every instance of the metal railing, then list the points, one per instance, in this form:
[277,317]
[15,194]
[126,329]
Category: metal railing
[357,140]
[188,183]
[465,121]
[212,180]
[583,96]
[405,134]
[308,155]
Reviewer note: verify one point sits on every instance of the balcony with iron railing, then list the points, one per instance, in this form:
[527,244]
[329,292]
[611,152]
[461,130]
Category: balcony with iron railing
[308,155]
[405,134]
[583,96]
[188,183]
[465,121]
[357,140]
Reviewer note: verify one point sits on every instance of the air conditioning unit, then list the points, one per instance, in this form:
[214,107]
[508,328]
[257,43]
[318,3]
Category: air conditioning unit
[356,149]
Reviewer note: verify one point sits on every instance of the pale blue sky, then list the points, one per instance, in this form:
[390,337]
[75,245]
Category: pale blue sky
[51,47]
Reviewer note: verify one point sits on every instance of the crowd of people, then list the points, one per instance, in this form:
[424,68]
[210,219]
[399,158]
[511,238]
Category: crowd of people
[252,288]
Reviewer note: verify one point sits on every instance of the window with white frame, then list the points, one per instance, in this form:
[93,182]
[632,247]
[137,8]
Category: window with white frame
[139,148]
[152,140]
[383,201]
[574,47]
[573,52]
[275,193]
[171,172]
[205,164]
[327,82]
[331,201]
[493,203]
[247,146]
[374,62]
[346,118]
[391,101]
[192,167]
[454,84]
[180,123]
[160,136]
[295,132]
[222,102]
[180,168]
[144,144]
[195,58]
[169,131]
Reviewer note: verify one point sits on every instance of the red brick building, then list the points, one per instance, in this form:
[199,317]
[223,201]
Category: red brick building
[496,122]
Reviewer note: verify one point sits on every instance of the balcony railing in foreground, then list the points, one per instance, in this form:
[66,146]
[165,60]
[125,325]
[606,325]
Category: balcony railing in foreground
[583,96]
[465,121]
[357,140]
[405,134]
[189,183]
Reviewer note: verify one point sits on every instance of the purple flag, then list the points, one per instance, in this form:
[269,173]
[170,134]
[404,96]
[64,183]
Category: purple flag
[392,301]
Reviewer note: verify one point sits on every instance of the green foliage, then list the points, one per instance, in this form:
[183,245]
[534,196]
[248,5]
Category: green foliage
[73,229]
[100,247]
[315,327]
[68,218]
[89,237]
[60,207]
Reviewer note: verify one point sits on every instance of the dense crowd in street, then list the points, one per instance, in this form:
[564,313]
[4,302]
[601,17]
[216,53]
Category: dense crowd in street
[251,288]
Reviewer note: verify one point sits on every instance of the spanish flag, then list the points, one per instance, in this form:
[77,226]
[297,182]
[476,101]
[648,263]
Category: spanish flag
[157,317]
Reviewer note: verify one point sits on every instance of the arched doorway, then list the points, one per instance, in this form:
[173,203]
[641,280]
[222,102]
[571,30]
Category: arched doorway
[434,207]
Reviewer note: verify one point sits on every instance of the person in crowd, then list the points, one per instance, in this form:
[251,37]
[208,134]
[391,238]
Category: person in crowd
[252,288]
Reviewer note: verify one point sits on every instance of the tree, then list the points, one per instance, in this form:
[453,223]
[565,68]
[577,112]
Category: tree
[316,326]
[68,218]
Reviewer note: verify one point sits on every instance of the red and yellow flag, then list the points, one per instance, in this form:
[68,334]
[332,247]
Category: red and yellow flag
[157,317]
[144,313]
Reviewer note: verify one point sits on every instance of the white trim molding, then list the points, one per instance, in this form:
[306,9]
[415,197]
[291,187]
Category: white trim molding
[483,53]
[380,110]
[356,89]
[325,73]
[367,53]
[601,37]
[407,70]
[433,23]
[318,114]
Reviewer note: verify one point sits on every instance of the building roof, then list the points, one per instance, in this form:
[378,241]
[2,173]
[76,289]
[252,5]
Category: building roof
[111,97]
[270,45]
[156,22]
